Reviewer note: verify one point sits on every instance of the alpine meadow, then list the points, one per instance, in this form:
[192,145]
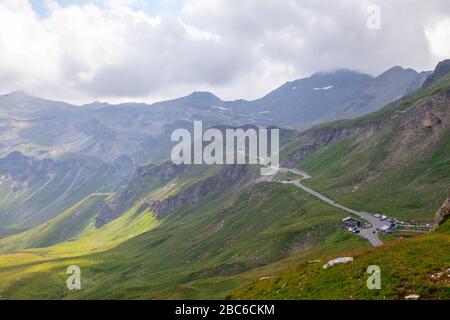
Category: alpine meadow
[321,173]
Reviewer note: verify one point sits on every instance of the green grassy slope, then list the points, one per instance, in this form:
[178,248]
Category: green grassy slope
[402,169]
[41,195]
[129,225]
[218,240]
[80,220]
[413,192]
[16,269]
[73,222]
[418,265]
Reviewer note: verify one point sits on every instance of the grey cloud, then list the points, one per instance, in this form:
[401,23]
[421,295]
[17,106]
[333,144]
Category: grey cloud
[238,49]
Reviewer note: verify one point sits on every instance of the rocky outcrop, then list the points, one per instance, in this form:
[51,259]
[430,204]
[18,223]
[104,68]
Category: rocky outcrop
[418,129]
[228,178]
[314,139]
[414,129]
[149,178]
[144,180]
[443,213]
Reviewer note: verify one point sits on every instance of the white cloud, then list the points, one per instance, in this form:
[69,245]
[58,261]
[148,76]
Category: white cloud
[438,37]
[198,34]
[121,50]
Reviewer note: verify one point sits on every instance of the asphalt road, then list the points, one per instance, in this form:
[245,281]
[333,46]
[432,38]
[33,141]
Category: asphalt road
[370,234]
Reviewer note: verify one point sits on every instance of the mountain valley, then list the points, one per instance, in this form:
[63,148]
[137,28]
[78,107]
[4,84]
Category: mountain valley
[95,189]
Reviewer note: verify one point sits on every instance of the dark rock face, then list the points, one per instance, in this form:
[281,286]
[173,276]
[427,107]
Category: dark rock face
[144,179]
[226,179]
[442,69]
[150,177]
[313,140]
[443,213]
[417,130]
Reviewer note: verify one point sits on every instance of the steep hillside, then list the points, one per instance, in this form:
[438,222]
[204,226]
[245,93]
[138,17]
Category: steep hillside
[158,189]
[166,187]
[86,239]
[395,161]
[73,222]
[220,236]
[33,191]
[392,85]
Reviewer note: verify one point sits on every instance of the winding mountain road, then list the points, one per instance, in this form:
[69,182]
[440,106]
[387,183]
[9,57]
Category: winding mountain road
[370,234]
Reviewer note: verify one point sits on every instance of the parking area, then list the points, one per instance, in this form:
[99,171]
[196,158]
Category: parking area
[385,225]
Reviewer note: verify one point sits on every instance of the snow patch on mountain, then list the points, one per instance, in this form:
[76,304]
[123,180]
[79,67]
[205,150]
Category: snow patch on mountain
[325,88]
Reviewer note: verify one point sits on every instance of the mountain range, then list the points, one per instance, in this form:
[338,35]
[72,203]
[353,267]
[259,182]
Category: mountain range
[326,96]
[91,186]
[104,137]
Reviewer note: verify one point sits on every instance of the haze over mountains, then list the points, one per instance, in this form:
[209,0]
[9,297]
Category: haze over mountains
[50,129]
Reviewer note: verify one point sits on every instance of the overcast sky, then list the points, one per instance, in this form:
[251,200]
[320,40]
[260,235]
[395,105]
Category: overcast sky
[134,50]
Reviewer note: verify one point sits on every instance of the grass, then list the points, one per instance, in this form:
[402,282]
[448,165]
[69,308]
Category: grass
[73,222]
[407,267]
[371,174]
[412,192]
[41,197]
[46,266]
[218,243]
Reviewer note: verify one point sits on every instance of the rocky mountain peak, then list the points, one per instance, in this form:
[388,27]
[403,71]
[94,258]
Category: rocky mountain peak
[398,71]
[202,95]
[197,99]
[202,98]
